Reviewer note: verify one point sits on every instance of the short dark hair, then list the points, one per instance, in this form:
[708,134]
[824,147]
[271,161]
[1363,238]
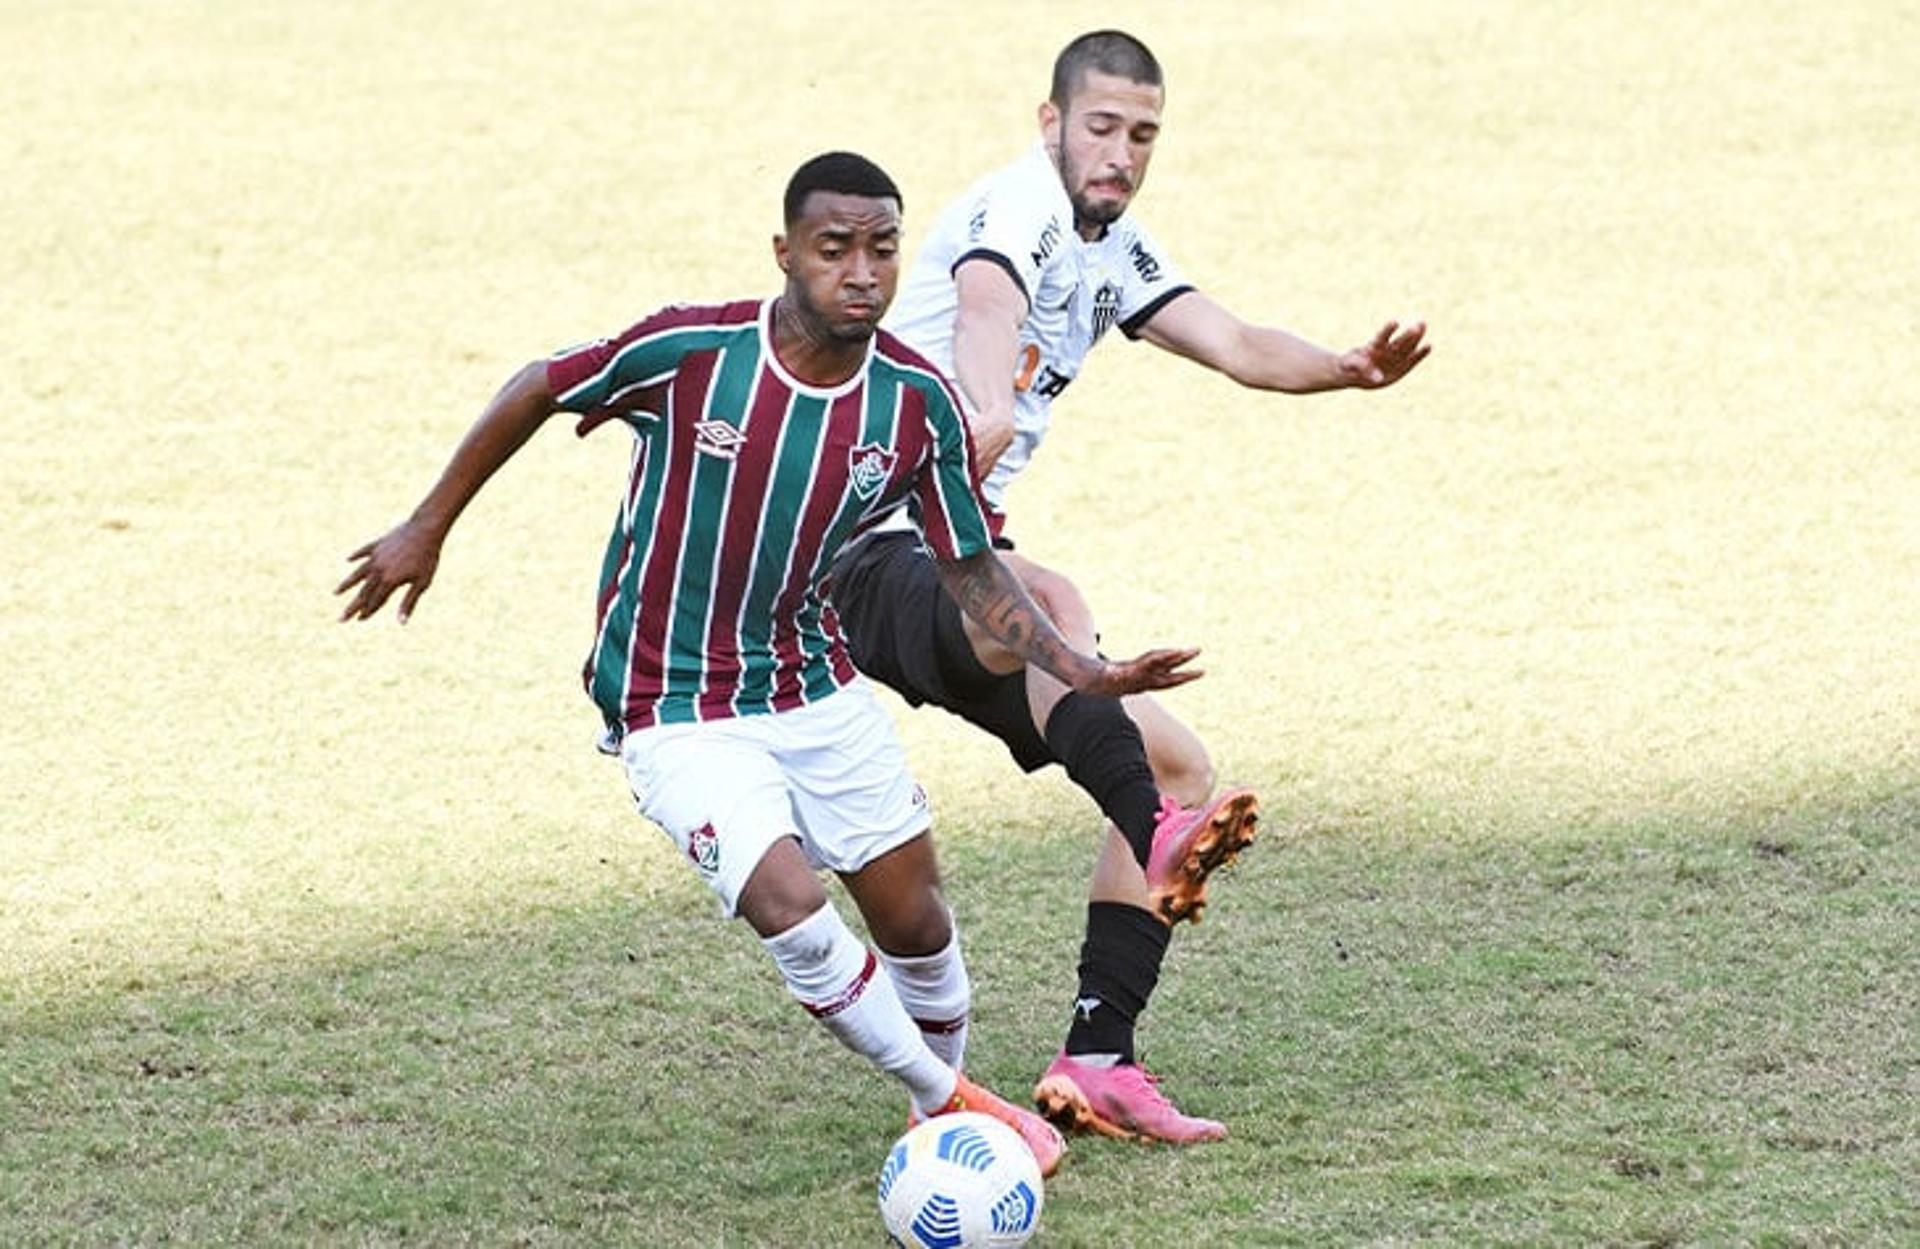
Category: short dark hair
[841,173]
[1108,51]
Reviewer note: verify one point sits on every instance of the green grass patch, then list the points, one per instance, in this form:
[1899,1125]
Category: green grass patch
[1657,1035]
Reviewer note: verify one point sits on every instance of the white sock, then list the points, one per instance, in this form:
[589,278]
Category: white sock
[831,972]
[936,993]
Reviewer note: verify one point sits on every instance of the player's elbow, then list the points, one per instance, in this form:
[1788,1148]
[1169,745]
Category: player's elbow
[992,435]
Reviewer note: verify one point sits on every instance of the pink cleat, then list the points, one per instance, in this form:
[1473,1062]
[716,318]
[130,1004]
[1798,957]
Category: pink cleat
[1189,845]
[1048,1146]
[1121,1101]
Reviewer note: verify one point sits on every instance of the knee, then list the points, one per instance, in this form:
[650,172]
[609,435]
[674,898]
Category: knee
[926,930]
[1062,602]
[1185,774]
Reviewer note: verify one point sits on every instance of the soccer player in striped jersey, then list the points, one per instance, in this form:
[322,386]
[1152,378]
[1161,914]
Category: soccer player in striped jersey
[768,433]
[1016,283]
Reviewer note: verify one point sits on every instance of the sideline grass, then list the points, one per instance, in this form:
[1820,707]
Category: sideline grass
[1585,661]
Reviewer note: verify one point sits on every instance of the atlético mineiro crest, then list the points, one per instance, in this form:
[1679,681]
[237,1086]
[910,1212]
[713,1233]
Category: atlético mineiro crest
[869,465]
[703,847]
[718,439]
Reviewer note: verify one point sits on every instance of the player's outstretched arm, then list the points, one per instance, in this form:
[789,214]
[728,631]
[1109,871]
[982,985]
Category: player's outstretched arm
[987,590]
[1270,358]
[408,553]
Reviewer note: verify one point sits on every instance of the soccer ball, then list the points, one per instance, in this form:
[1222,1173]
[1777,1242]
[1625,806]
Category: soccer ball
[960,1181]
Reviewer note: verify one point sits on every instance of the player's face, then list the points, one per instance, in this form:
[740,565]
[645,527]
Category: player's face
[1102,143]
[842,261]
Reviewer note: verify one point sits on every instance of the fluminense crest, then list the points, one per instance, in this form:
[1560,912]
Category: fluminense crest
[869,465]
[703,847]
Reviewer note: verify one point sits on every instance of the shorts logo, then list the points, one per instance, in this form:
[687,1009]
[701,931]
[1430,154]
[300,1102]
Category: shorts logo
[703,847]
[869,465]
[919,797]
[718,439]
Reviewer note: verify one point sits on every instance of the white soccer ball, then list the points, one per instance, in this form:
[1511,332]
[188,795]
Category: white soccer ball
[960,1181]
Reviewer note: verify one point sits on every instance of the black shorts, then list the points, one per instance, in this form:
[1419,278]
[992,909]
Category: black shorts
[904,631]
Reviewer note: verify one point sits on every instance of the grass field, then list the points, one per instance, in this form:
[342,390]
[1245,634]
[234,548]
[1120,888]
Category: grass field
[1580,674]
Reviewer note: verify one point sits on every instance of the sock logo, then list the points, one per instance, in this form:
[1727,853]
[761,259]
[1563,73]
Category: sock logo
[1085,1006]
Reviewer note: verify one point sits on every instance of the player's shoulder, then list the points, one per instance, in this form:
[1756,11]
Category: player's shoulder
[895,362]
[720,315]
[1029,186]
[1129,243]
[673,318]
[1130,232]
[891,352]
[652,343]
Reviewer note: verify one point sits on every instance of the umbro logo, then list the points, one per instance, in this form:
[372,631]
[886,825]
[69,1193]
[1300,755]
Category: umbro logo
[717,439]
[1085,1006]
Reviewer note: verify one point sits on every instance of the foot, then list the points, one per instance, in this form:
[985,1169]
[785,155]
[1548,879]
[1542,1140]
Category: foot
[1048,1146]
[1121,1101]
[1189,844]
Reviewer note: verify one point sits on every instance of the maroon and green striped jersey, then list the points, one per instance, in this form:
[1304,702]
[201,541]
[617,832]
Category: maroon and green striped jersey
[745,484]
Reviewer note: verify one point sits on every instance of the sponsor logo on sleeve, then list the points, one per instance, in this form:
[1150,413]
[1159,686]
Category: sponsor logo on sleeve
[1143,264]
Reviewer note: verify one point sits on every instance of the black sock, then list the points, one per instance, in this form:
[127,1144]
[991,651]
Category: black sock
[1099,745]
[1119,967]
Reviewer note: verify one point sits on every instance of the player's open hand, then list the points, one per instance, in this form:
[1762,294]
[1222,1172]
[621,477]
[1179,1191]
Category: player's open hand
[1388,358]
[1160,669]
[406,556]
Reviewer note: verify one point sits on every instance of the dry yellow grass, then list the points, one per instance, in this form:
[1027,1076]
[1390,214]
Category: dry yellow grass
[1643,536]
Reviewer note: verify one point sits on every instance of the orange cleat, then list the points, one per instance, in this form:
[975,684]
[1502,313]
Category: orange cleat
[1048,1146]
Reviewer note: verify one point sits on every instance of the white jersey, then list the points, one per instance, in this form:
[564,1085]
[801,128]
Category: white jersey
[1020,218]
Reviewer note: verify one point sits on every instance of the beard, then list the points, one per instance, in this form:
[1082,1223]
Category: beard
[1101,214]
[1087,211]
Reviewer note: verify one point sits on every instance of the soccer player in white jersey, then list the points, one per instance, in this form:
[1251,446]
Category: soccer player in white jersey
[1019,279]
[769,433]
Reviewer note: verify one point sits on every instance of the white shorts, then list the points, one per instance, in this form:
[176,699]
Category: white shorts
[831,773]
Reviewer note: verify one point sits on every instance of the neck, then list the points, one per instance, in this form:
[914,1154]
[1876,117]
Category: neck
[808,352]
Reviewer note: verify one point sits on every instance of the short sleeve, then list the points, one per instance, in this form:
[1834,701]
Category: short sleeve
[955,518]
[1016,229]
[594,376]
[1149,280]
